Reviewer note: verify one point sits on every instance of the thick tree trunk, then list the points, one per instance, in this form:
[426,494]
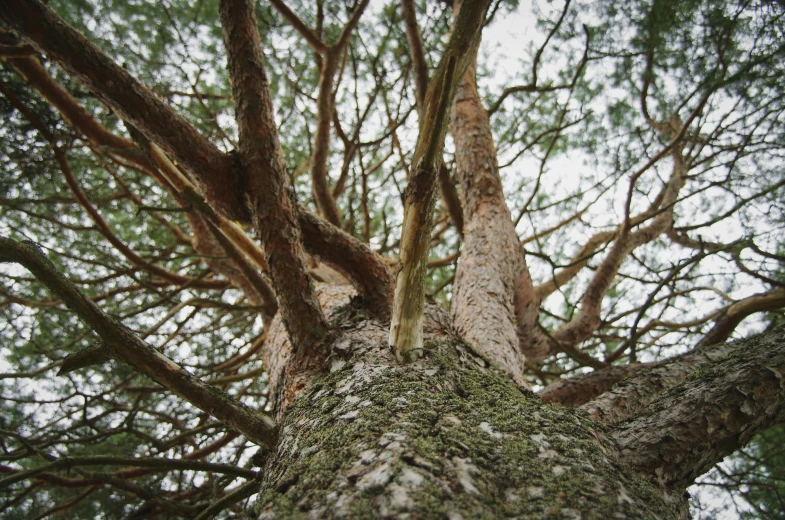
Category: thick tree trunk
[482,304]
[447,436]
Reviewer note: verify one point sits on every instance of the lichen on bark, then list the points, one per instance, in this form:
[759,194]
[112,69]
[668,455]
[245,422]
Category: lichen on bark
[447,436]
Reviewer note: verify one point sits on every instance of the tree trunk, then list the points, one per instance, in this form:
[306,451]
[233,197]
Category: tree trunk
[447,436]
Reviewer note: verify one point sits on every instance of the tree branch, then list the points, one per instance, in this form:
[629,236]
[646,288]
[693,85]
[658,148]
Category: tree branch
[268,193]
[126,346]
[588,318]
[686,431]
[578,390]
[419,64]
[406,328]
[730,318]
[313,40]
[132,101]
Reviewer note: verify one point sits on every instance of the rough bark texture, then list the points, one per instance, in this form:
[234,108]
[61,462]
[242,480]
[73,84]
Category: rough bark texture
[637,392]
[718,409]
[365,270]
[482,304]
[268,194]
[447,436]
[581,389]
[218,180]
[406,327]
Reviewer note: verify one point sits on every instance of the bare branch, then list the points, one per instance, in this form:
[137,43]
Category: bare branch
[730,318]
[407,317]
[126,346]
[268,192]
[313,40]
[416,51]
[133,101]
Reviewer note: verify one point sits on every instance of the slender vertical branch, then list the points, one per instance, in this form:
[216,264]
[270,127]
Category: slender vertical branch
[321,146]
[446,186]
[268,195]
[416,51]
[406,328]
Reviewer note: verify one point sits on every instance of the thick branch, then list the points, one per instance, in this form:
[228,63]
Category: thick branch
[578,390]
[416,52]
[38,78]
[132,101]
[483,294]
[321,147]
[365,270]
[126,346]
[634,394]
[407,317]
[718,409]
[267,196]
[158,463]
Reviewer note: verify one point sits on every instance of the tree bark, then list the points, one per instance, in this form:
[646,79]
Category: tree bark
[268,194]
[718,409]
[482,305]
[447,436]
[581,389]
[407,313]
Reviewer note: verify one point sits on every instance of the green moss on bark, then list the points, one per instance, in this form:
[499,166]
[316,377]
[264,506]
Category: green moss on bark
[444,438]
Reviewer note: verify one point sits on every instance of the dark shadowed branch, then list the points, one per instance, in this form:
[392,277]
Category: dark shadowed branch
[126,346]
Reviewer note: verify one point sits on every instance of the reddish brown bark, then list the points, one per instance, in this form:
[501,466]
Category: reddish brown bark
[588,317]
[112,84]
[267,195]
[482,304]
[578,390]
[635,393]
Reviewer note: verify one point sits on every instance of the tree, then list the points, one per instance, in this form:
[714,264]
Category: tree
[343,343]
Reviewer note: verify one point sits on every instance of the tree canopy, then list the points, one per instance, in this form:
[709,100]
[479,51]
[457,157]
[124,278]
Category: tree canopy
[640,148]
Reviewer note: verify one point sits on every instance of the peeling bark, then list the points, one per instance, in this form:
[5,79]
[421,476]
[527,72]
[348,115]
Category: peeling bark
[716,410]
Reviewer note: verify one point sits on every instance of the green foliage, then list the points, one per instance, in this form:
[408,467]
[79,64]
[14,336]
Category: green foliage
[568,140]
